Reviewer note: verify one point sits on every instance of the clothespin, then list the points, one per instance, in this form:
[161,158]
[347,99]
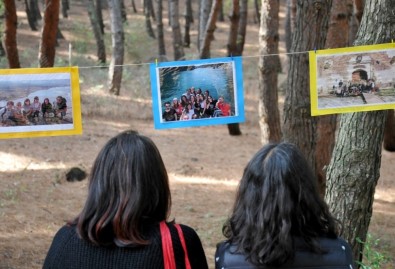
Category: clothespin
[315,50]
[156,62]
[231,56]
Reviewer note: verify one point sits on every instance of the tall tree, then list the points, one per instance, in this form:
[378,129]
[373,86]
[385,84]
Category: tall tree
[188,20]
[99,13]
[337,37]
[101,47]
[147,13]
[10,42]
[159,29]
[204,13]
[269,115]
[290,21]
[65,8]
[232,46]
[355,165]
[310,32]
[176,30]
[117,39]
[48,35]
[204,52]
[242,26]
[31,14]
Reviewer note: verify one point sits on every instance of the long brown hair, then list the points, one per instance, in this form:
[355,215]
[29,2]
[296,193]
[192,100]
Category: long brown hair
[128,191]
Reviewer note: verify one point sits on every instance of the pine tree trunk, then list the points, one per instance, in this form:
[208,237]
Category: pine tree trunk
[204,13]
[31,18]
[210,28]
[176,30]
[101,48]
[242,28]
[188,20]
[269,115]
[355,165]
[159,28]
[147,14]
[117,37]
[10,41]
[337,37]
[99,13]
[49,32]
[310,32]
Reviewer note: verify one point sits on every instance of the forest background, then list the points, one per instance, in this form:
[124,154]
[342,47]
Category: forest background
[204,163]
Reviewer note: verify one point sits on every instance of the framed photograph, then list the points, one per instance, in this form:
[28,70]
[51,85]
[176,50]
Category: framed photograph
[37,102]
[197,92]
[352,79]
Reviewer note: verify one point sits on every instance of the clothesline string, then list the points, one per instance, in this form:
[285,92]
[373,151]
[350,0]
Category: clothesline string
[140,64]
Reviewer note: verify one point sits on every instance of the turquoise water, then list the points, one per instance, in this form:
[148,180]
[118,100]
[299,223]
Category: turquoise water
[217,80]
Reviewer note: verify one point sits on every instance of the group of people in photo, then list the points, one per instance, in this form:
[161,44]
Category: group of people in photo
[355,88]
[195,104]
[33,113]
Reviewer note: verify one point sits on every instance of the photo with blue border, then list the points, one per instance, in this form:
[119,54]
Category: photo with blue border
[219,78]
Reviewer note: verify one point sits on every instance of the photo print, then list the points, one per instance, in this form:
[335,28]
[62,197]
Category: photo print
[197,92]
[37,102]
[352,79]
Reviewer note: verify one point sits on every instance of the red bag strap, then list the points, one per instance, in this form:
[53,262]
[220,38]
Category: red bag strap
[184,246]
[167,246]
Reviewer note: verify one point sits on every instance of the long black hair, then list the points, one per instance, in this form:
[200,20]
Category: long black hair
[128,191]
[277,200]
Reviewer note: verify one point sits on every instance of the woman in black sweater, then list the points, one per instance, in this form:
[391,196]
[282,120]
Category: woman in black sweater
[118,227]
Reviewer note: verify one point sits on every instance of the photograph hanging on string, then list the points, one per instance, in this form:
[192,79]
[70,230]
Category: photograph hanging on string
[352,79]
[37,102]
[197,92]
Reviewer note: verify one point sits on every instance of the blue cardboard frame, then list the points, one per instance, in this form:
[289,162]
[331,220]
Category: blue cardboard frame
[235,91]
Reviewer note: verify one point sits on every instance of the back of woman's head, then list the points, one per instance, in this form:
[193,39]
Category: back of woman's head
[277,200]
[128,190]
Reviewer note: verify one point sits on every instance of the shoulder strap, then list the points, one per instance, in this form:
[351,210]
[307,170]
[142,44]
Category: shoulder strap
[167,246]
[182,239]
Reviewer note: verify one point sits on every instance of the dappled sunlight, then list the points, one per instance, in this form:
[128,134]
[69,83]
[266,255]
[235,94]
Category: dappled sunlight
[12,163]
[201,180]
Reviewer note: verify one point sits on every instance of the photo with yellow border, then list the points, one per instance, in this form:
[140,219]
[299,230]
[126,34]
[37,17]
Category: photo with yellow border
[352,79]
[37,102]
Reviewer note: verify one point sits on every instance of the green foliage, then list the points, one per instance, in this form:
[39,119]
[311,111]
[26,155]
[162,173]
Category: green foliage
[373,258]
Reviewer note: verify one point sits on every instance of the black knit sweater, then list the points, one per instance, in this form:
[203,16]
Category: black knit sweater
[69,251]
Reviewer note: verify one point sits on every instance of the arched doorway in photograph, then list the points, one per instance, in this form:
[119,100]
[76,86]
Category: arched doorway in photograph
[359,74]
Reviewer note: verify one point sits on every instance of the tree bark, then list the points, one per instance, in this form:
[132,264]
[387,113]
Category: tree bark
[188,20]
[159,28]
[204,13]
[290,22]
[210,28]
[49,32]
[242,28]
[269,115]
[31,16]
[101,47]
[337,37]
[10,41]
[355,165]
[99,13]
[234,19]
[117,38]
[176,30]
[310,32]
[147,14]
[389,132]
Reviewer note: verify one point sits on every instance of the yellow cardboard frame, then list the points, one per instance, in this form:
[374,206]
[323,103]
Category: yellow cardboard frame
[18,84]
[356,67]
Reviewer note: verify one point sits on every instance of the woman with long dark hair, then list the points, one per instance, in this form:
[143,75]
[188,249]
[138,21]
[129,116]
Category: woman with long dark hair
[279,219]
[128,201]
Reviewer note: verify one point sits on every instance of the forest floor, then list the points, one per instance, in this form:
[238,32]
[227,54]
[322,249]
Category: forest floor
[204,163]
